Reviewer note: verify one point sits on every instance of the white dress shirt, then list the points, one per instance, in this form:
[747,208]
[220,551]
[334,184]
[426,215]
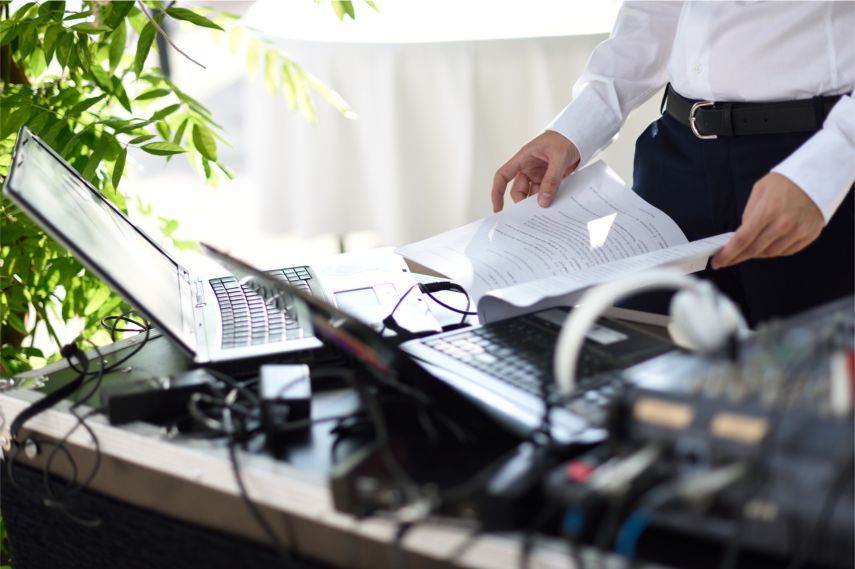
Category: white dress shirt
[728,51]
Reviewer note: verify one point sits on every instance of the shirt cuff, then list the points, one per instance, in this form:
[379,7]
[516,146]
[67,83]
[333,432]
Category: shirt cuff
[588,122]
[824,166]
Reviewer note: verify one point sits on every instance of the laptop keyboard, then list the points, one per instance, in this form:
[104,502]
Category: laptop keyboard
[249,320]
[520,352]
[515,351]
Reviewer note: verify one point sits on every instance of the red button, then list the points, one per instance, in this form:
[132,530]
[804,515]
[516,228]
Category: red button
[579,471]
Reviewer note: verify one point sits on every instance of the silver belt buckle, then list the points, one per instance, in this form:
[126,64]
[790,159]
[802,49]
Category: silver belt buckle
[692,120]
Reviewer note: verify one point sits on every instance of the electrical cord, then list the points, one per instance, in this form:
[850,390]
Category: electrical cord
[699,488]
[428,290]
[232,442]
[143,327]
[53,497]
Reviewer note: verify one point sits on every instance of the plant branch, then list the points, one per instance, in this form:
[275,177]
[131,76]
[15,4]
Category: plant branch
[164,34]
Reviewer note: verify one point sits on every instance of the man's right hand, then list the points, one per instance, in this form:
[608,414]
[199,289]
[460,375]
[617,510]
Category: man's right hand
[537,168]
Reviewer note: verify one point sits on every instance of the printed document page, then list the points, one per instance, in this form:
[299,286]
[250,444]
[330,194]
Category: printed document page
[593,221]
[565,290]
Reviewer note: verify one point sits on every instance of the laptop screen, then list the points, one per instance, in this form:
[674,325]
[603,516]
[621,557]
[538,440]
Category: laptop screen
[98,235]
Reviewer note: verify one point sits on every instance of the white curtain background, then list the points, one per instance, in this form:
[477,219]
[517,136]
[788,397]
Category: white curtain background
[445,92]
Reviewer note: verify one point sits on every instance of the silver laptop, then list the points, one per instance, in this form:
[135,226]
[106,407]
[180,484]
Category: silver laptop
[508,365]
[213,317]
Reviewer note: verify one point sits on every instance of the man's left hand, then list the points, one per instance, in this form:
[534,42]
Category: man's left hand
[779,219]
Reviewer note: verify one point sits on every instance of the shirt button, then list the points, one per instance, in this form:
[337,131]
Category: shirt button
[697,68]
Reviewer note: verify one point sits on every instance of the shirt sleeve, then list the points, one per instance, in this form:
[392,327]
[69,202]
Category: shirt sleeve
[623,71]
[824,166]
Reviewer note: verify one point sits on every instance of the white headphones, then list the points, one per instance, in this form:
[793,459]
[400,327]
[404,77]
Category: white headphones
[703,318]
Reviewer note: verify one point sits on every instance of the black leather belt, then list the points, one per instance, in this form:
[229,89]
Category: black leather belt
[709,120]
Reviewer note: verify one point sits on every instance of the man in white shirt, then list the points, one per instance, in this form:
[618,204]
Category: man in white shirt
[757,136]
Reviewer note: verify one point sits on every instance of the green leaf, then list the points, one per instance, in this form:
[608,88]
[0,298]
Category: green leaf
[119,91]
[165,111]
[38,121]
[82,51]
[343,8]
[98,298]
[206,167]
[162,128]
[129,126]
[152,94]
[192,17]
[64,47]
[119,167]
[143,47]
[253,56]
[163,148]
[179,133]
[21,12]
[101,77]
[271,73]
[84,104]
[52,8]
[289,86]
[372,5]
[8,31]
[204,142]
[168,226]
[36,63]
[15,322]
[94,160]
[118,39]
[78,15]
[114,13]
[141,138]
[49,41]
[15,119]
[29,37]
[89,28]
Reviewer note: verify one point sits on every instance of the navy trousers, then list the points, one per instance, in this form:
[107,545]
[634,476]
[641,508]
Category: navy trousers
[704,186]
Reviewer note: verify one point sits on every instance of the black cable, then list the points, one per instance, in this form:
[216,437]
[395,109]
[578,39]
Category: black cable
[53,497]
[286,553]
[464,312]
[235,431]
[144,327]
[389,321]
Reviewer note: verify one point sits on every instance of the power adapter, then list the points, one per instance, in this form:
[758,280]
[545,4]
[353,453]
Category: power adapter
[155,400]
[285,392]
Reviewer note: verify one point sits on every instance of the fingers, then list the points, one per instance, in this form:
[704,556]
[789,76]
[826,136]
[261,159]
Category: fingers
[740,243]
[505,174]
[521,187]
[779,238]
[550,181]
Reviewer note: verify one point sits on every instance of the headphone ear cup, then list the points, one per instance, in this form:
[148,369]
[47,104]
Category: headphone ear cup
[703,319]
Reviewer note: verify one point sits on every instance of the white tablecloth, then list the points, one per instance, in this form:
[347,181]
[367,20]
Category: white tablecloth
[436,118]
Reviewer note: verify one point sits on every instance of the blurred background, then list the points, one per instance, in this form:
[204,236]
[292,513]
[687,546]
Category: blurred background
[436,96]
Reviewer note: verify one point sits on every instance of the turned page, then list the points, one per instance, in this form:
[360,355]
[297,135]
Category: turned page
[594,220]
